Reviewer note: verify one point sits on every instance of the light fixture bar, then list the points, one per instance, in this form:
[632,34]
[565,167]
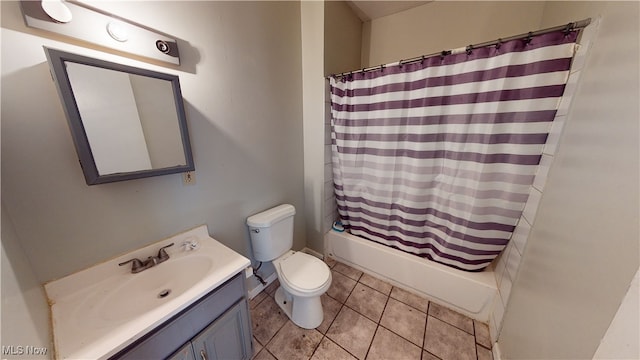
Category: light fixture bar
[101,28]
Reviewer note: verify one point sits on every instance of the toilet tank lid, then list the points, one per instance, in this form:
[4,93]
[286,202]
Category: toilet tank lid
[271,216]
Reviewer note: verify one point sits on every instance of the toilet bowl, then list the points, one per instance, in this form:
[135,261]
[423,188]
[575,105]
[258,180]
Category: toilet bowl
[303,277]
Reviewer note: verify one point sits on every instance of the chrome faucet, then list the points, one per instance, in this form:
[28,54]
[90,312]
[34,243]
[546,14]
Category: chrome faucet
[138,265]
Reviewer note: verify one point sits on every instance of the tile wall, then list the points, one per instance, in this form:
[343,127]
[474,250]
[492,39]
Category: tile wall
[508,263]
[330,211]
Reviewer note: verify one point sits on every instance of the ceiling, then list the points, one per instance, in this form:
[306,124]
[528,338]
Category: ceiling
[368,10]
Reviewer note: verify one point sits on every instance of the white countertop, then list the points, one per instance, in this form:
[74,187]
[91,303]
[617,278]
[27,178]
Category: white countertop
[82,331]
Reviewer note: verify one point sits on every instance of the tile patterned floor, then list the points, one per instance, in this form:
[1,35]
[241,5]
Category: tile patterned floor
[367,318]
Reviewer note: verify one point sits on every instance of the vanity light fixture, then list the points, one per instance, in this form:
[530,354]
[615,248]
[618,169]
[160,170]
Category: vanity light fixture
[117,31]
[76,19]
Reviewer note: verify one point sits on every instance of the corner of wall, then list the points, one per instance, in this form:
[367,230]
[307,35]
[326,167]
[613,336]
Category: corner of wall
[25,311]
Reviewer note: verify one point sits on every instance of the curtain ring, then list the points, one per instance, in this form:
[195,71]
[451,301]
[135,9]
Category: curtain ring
[567,29]
[528,39]
[422,60]
[443,54]
[469,50]
[381,68]
[498,44]
[400,64]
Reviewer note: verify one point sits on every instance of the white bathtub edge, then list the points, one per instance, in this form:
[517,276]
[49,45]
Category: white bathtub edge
[470,293]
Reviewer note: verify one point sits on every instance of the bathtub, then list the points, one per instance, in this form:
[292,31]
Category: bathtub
[470,293]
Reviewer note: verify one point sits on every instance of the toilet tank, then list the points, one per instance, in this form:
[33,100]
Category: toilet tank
[272,232]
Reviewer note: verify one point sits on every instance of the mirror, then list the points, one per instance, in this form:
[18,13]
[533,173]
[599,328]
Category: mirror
[126,123]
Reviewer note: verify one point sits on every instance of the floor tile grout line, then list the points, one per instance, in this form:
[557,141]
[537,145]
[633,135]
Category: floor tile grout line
[342,305]
[426,322]
[377,326]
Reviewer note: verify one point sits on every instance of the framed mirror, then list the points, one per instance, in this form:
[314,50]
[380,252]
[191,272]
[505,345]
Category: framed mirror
[126,122]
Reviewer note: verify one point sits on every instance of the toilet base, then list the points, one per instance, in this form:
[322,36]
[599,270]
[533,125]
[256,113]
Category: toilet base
[306,312]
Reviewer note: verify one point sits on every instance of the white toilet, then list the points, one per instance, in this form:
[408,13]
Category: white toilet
[303,278]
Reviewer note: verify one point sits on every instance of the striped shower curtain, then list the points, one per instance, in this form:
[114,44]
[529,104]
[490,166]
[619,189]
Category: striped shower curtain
[436,158]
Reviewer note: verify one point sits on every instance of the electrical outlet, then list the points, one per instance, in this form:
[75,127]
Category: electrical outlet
[189,178]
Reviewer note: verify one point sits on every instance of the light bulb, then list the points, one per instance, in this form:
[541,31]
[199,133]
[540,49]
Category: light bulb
[117,31]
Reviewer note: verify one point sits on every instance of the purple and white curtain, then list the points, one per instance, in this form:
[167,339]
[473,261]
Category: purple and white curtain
[436,158]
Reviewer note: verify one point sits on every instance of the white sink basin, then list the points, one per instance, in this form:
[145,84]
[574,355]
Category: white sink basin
[99,311]
[134,294]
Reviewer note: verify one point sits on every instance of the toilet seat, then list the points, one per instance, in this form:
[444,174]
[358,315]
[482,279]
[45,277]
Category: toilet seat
[304,273]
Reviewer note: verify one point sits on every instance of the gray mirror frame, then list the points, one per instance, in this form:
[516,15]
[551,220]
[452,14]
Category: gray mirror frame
[56,59]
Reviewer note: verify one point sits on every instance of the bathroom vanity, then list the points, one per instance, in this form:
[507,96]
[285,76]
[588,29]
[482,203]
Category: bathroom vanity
[191,306]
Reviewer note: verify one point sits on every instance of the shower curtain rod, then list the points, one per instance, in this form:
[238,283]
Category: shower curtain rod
[568,27]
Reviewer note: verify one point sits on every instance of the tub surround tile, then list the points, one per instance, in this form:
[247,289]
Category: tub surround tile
[543,171]
[376,284]
[505,287]
[330,309]
[501,264]
[267,319]
[348,271]
[328,193]
[367,301]
[352,331]
[531,208]
[293,342]
[328,350]
[498,314]
[327,134]
[341,286]
[482,334]
[404,320]
[447,315]
[410,299]
[521,235]
[327,154]
[513,262]
[328,172]
[569,91]
[448,342]
[554,135]
[387,345]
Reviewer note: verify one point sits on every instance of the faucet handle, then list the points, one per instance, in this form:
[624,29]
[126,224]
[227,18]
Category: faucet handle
[162,253]
[136,266]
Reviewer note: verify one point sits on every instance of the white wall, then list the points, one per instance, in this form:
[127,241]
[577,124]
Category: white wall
[442,25]
[342,38]
[621,339]
[342,44]
[583,249]
[312,23]
[25,312]
[241,82]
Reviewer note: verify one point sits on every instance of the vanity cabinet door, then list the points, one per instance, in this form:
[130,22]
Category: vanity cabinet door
[226,338]
[185,353]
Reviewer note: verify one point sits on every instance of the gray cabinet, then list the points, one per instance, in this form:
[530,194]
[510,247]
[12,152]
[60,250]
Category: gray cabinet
[224,339]
[185,353]
[217,327]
